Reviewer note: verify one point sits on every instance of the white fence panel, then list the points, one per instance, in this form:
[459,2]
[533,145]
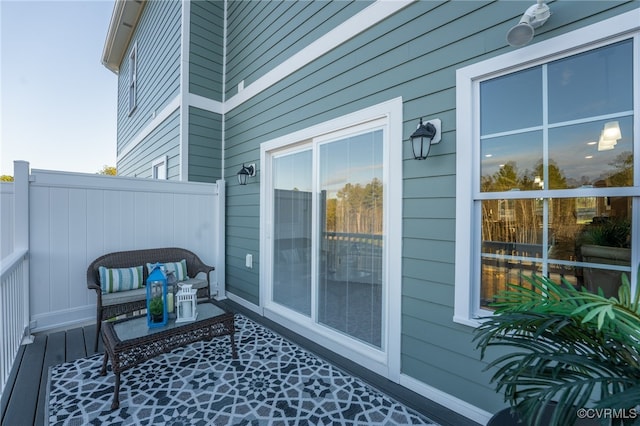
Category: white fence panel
[6,219]
[75,218]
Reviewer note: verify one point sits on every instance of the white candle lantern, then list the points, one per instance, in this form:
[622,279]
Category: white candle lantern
[185,303]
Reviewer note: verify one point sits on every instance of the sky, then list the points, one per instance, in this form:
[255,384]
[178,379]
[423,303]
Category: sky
[58,102]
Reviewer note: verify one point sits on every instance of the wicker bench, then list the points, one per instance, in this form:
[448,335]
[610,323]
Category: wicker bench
[110,305]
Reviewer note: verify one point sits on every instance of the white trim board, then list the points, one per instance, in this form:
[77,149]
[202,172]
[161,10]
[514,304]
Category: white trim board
[185,37]
[173,105]
[385,362]
[367,18]
[446,400]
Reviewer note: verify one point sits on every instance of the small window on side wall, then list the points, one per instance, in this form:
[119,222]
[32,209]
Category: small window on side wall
[159,168]
[133,78]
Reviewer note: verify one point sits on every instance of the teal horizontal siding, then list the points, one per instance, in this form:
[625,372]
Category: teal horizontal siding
[205,145]
[164,140]
[413,54]
[261,35]
[158,49]
[206,49]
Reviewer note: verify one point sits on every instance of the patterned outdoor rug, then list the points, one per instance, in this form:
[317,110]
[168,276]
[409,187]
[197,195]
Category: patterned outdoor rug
[273,382]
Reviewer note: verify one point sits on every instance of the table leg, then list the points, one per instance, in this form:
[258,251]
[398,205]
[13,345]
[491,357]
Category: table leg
[116,393]
[234,353]
[103,372]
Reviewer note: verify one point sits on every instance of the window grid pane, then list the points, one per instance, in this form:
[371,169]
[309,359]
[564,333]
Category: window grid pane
[588,146]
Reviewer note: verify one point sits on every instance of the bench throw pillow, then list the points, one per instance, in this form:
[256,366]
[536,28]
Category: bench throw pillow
[179,268]
[120,279]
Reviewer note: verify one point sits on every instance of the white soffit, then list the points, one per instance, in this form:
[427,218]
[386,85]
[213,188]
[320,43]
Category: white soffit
[124,19]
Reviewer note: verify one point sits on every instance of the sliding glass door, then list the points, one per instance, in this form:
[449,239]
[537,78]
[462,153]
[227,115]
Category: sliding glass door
[350,238]
[292,216]
[327,216]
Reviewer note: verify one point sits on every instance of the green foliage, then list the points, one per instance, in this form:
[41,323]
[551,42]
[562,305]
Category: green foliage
[108,170]
[155,306]
[6,178]
[574,347]
[614,232]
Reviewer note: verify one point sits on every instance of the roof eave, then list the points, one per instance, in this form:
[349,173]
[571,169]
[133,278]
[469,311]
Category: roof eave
[124,19]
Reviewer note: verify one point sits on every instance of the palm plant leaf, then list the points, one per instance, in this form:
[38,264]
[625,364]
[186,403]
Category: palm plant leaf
[575,348]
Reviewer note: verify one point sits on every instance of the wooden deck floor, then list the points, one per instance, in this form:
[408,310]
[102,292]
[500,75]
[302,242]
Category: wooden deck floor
[23,401]
[24,396]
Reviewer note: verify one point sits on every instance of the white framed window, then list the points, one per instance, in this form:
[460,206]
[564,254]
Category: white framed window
[159,168]
[133,78]
[330,239]
[547,158]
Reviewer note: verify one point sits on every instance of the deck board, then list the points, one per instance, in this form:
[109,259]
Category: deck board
[75,346]
[24,398]
[4,401]
[53,355]
[21,408]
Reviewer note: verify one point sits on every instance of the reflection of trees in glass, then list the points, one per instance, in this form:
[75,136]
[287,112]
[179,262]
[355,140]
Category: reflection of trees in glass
[356,209]
[623,170]
[509,178]
[512,221]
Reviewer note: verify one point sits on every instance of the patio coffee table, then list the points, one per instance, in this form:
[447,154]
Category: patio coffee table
[129,342]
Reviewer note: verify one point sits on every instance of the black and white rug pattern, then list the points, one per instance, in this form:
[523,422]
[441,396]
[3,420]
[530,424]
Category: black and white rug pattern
[273,382]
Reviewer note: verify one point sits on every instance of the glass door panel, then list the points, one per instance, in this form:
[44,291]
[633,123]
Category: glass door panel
[292,218]
[350,236]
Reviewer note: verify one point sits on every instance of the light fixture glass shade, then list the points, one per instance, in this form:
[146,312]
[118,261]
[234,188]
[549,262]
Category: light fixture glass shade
[242,177]
[421,140]
[245,172]
[520,34]
[534,17]
[420,148]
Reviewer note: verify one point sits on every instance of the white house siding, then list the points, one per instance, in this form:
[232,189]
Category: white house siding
[413,54]
[157,37]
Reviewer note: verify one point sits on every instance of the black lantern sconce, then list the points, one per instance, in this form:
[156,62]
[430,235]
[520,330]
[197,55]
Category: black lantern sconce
[245,172]
[426,134]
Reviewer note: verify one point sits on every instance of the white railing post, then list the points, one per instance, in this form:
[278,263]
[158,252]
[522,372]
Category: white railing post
[21,236]
[221,290]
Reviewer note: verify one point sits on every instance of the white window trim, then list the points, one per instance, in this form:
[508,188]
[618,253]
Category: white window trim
[467,101]
[387,361]
[133,78]
[159,163]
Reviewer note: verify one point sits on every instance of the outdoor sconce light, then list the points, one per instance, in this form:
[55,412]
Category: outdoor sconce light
[425,135]
[245,172]
[534,17]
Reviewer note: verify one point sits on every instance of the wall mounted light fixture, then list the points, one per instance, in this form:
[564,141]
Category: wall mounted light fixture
[245,172]
[534,17]
[426,134]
